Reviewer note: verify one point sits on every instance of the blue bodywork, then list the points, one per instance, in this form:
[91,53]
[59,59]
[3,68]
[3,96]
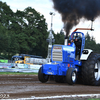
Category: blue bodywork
[67,58]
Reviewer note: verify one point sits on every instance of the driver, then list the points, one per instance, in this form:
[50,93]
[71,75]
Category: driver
[78,43]
[76,38]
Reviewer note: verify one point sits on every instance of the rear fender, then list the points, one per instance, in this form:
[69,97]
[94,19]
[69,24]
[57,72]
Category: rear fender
[85,54]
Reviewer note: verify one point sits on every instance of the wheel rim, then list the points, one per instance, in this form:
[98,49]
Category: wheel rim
[97,70]
[74,77]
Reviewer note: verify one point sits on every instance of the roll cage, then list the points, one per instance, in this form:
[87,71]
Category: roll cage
[80,43]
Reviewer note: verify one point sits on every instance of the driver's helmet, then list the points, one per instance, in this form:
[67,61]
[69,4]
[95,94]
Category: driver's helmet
[76,38]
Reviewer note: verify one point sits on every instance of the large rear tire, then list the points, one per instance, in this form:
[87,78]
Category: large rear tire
[42,77]
[71,76]
[91,70]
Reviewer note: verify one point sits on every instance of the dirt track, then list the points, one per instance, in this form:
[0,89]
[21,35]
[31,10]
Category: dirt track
[27,86]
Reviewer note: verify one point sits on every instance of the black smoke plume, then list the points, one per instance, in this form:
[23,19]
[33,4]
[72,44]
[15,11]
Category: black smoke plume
[73,10]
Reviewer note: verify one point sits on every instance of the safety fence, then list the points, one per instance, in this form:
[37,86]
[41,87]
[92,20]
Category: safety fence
[12,67]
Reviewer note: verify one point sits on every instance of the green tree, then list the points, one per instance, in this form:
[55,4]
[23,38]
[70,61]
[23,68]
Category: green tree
[5,14]
[59,38]
[36,31]
[4,40]
[24,32]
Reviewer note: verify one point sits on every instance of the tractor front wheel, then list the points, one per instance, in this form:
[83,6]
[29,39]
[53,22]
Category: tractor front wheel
[71,76]
[42,77]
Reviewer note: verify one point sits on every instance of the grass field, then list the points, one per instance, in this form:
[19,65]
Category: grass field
[16,73]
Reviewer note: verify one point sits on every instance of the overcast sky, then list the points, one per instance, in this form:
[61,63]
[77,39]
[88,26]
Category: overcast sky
[45,7]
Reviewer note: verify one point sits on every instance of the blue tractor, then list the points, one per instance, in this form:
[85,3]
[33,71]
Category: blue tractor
[72,62]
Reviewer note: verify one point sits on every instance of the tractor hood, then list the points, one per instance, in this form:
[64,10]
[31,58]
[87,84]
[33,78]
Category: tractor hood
[63,53]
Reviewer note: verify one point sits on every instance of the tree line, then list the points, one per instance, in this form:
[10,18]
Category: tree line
[22,32]
[25,32]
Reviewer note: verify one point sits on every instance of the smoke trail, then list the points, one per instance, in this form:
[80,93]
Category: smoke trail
[73,10]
